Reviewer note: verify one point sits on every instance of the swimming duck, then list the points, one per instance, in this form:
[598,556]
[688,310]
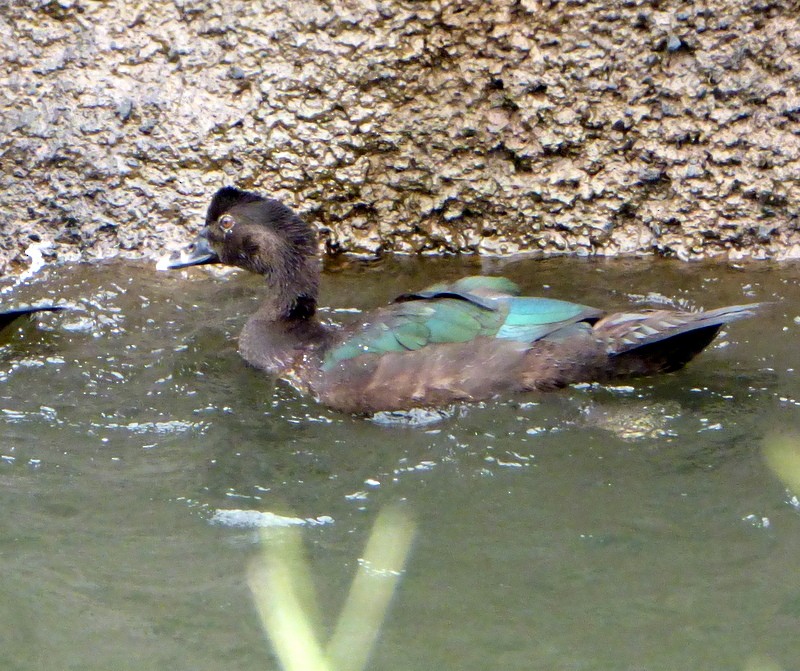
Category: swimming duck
[464,341]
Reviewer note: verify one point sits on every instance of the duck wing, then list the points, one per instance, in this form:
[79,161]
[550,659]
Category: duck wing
[458,312]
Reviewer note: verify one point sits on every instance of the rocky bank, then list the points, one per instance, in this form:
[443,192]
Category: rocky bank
[587,126]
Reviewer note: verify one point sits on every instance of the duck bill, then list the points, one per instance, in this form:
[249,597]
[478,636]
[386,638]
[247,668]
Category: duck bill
[196,254]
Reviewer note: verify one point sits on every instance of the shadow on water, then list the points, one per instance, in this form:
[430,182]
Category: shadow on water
[627,526]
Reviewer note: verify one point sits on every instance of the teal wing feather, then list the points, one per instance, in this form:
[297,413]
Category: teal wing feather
[481,290]
[532,318]
[413,324]
[459,312]
[475,284]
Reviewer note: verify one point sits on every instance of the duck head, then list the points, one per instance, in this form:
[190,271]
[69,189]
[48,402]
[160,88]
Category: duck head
[264,236]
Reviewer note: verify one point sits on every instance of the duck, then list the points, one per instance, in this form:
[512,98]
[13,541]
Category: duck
[465,341]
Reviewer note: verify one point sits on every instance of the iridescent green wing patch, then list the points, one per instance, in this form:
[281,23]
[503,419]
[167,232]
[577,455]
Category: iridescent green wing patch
[413,324]
[530,319]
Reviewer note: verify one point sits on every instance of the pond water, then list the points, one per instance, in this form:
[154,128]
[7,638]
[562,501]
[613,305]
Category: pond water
[620,527]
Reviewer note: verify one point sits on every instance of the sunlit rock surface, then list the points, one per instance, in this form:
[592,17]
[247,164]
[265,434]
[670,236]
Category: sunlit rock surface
[557,127]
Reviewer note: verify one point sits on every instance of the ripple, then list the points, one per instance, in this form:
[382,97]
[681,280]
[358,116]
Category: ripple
[254,519]
[634,421]
[757,521]
[168,427]
[417,416]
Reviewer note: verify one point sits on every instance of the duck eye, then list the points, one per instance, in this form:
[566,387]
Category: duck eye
[226,223]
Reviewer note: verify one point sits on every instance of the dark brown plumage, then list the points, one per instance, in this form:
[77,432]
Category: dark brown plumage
[465,341]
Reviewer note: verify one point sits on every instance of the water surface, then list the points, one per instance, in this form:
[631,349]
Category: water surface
[624,527]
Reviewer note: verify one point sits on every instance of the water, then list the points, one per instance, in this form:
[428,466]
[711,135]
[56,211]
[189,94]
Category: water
[627,527]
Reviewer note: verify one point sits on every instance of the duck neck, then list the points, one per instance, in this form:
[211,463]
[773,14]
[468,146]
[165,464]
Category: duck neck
[281,333]
[280,309]
[293,288]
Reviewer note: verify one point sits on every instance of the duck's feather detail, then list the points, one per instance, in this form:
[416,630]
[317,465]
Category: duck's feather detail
[449,317]
[477,289]
[626,330]
[530,319]
[414,324]
[468,288]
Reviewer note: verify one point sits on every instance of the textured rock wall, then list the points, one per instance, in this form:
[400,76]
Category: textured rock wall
[587,126]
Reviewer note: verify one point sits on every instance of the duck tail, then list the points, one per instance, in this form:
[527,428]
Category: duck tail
[662,341]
